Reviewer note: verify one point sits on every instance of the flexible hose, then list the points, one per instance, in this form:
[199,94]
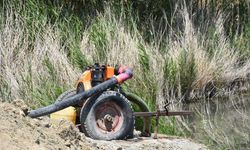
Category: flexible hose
[127,74]
[144,108]
[72,100]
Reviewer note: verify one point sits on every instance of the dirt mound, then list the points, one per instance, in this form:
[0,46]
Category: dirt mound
[20,132]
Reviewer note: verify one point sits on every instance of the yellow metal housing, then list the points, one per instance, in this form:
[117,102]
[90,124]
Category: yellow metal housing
[68,113]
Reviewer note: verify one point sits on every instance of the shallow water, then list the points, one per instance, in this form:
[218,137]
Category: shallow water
[221,123]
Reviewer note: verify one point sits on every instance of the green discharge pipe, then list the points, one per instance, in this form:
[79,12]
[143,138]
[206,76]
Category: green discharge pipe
[144,108]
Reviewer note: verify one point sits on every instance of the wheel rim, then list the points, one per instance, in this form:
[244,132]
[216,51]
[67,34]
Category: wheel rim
[109,117]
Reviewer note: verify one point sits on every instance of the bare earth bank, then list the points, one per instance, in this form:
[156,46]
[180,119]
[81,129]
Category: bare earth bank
[20,132]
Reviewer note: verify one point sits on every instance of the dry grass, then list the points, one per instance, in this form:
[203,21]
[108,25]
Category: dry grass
[124,47]
[121,47]
[26,67]
[184,67]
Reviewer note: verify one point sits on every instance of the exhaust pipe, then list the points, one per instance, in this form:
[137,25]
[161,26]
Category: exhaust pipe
[125,74]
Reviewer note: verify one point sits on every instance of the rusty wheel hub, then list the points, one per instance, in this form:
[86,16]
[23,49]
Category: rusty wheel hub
[109,117]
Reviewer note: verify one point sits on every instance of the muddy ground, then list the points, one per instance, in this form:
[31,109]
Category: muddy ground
[20,132]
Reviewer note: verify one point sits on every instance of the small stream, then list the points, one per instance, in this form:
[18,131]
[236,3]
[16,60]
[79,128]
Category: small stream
[221,123]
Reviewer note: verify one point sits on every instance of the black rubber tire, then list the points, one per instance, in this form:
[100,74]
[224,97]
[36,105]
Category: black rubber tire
[88,117]
[66,94]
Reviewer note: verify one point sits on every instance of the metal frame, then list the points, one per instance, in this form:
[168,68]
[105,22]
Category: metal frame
[147,115]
